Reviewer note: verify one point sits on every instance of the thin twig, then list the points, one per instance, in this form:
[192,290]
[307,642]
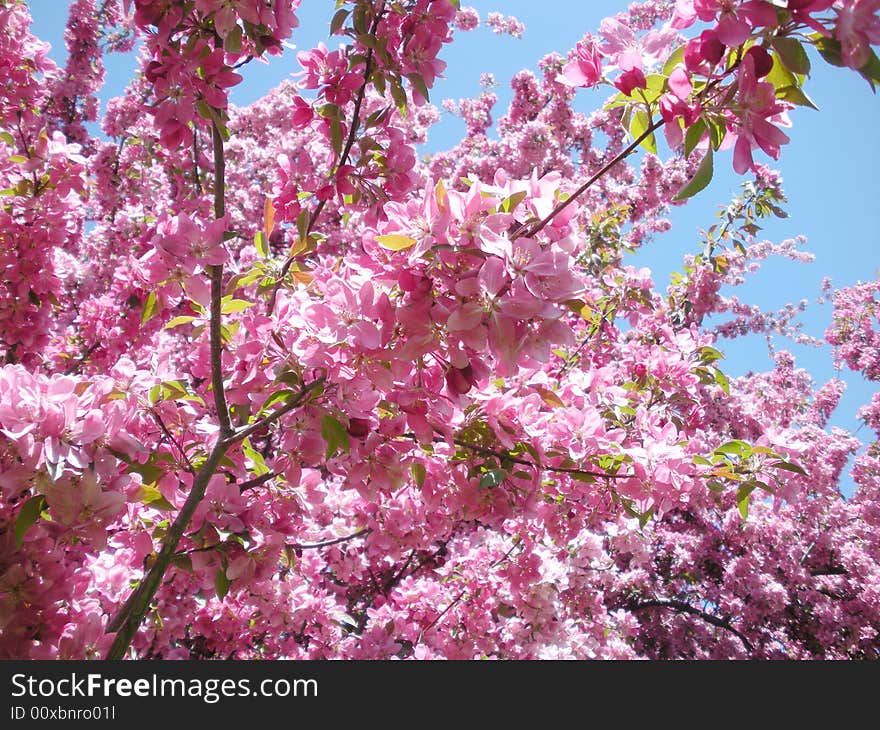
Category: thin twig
[242,434]
[216,273]
[343,157]
[530,230]
[256,481]
[442,614]
[485,451]
[328,543]
[170,436]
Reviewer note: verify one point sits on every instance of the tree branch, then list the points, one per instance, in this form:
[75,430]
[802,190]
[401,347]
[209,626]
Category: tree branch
[216,273]
[683,607]
[485,451]
[256,481]
[530,230]
[328,543]
[243,433]
[343,157]
[128,619]
[183,455]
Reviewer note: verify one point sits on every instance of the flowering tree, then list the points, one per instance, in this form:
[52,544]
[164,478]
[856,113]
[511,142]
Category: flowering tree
[275,387]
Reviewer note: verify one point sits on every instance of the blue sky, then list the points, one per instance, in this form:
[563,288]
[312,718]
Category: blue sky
[830,168]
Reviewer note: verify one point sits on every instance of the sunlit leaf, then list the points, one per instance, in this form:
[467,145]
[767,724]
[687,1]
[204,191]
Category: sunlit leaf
[395,241]
[792,54]
[334,435]
[492,478]
[700,180]
[27,516]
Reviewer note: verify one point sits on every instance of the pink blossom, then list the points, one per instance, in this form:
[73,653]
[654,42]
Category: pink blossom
[857,28]
[757,104]
[586,68]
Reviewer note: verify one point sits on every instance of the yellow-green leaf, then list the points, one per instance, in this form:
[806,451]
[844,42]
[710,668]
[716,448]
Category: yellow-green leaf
[700,180]
[230,306]
[177,321]
[27,516]
[395,242]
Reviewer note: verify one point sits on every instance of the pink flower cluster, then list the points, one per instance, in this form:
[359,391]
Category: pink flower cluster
[419,408]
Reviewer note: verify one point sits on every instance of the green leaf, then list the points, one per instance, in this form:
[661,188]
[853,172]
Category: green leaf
[230,305]
[151,306]
[279,395]
[710,354]
[508,205]
[417,469]
[259,463]
[640,124]
[693,136]
[792,54]
[232,44]
[675,58]
[779,75]
[395,242]
[169,390]
[338,20]
[221,583]
[178,321]
[717,132]
[492,478]
[829,49]
[150,473]
[655,84]
[27,516]
[399,95]
[334,435]
[795,95]
[789,466]
[149,495]
[261,243]
[8,138]
[722,380]
[419,84]
[700,180]
[736,448]
[336,136]
[871,70]
[742,499]
[764,450]
[329,111]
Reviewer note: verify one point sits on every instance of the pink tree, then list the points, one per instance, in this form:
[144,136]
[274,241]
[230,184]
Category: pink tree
[293,392]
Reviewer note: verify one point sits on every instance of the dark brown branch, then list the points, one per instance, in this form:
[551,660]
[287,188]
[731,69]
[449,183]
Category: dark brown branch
[829,570]
[81,360]
[130,616]
[256,481]
[328,543]
[216,273]
[343,156]
[195,161]
[301,396]
[485,451]
[530,230]
[683,607]
[442,614]
[189,465]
